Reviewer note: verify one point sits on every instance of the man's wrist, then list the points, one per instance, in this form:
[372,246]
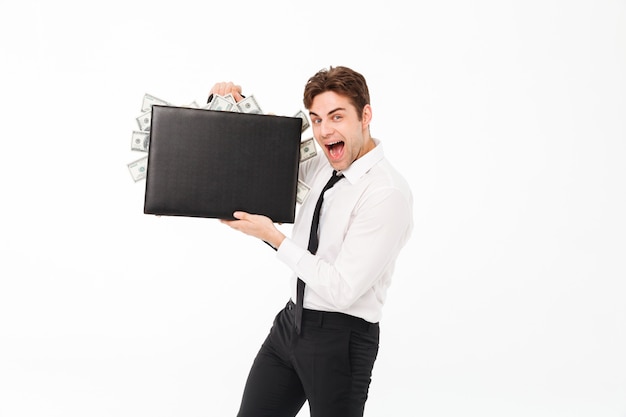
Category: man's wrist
[277,240]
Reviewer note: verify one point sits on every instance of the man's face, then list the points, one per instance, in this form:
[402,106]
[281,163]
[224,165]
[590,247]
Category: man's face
[337,128]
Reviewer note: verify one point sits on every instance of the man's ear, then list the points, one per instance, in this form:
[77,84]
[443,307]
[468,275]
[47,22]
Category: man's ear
[366,116]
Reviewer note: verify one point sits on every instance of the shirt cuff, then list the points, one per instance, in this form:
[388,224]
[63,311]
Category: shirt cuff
[290,253]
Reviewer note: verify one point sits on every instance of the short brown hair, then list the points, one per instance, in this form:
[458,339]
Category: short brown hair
[341,80]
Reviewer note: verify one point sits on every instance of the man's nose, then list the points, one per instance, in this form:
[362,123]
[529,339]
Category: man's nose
[326,129]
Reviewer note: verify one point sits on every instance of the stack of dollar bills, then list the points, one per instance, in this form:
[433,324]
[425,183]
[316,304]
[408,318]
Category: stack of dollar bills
[140,140]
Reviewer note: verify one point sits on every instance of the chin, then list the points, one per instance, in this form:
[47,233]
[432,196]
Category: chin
[339,166]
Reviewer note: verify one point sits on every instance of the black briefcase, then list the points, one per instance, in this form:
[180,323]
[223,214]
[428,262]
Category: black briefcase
[206,163]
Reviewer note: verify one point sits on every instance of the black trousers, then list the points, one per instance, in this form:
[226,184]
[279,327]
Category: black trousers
[329,364]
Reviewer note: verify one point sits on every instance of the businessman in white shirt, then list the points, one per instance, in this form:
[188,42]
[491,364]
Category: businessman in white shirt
[323,344]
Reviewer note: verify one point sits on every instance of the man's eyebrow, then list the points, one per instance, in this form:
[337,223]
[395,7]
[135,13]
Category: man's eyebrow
[330,112]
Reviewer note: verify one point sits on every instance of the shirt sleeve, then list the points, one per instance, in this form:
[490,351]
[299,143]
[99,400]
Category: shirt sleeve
[290,253]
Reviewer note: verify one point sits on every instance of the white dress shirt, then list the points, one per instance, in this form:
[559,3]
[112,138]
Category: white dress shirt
[366,219]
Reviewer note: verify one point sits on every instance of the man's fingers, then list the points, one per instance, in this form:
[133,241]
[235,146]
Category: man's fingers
[238,97]
[224,88]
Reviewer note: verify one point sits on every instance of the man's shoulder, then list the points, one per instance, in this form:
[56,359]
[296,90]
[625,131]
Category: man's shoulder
[384,174]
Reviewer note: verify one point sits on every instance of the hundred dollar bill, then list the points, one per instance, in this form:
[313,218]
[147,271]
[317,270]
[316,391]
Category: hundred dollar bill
[139,168]
[229,97]
[249,105]
[192,105]
[305,120]
[140,141]
[144,120]
[307,149]
[149,100]
[219,103]
[302,192]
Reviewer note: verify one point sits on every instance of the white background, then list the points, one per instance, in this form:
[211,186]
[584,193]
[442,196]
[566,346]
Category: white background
[507,118]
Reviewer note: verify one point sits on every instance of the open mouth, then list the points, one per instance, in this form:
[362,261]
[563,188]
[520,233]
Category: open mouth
[335,149]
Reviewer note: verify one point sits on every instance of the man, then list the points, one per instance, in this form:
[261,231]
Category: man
[325,353]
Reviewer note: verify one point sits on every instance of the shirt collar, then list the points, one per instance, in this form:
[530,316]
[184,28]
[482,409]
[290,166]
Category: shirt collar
[360,167]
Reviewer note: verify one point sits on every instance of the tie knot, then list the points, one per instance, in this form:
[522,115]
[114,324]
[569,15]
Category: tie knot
[332,180]
[337,174]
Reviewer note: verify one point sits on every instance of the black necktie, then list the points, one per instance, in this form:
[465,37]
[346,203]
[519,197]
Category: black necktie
[313,243]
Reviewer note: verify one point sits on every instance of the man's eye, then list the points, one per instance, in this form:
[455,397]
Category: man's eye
[316,121]
[337,117]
